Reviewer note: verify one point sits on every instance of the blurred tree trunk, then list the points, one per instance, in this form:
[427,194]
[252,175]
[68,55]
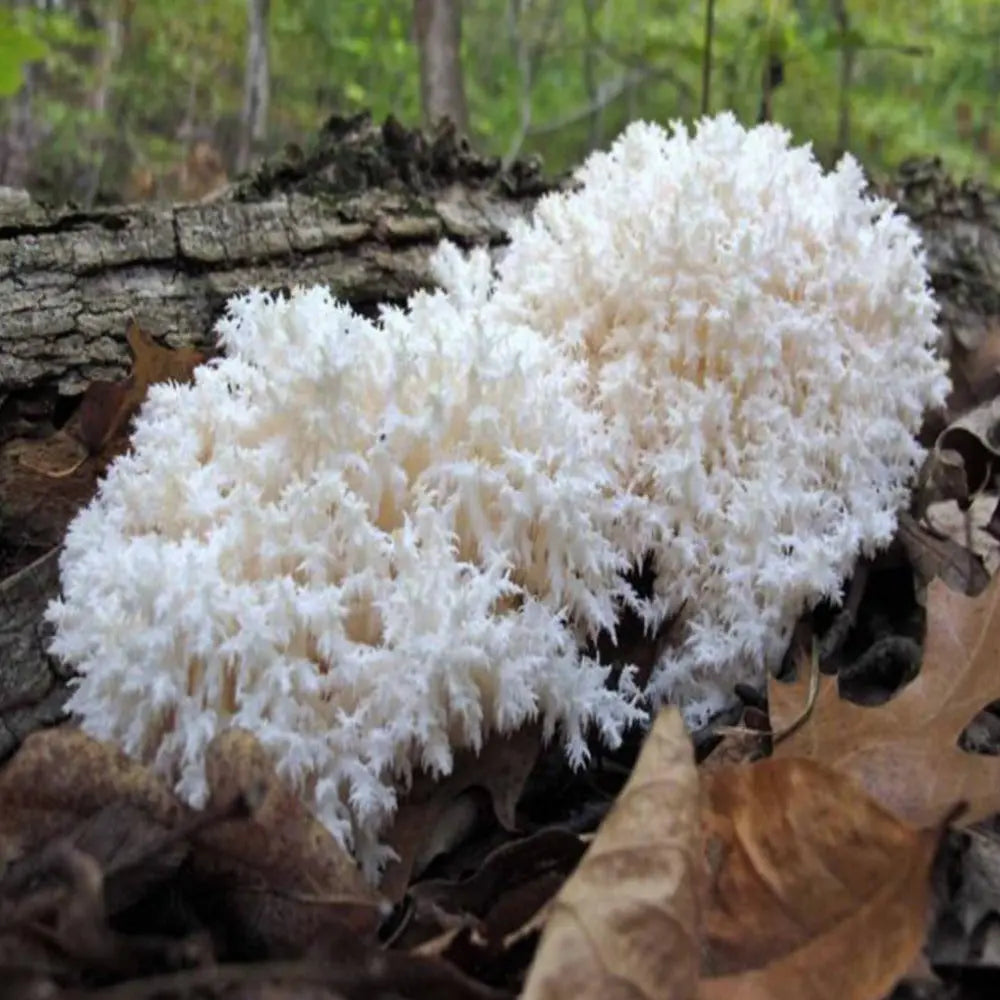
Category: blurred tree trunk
[438,25]
[256,90]
[591,87]
[847,55]
[107,61]
[22,132]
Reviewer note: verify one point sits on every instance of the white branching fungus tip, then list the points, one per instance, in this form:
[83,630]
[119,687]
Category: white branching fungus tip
[368,544]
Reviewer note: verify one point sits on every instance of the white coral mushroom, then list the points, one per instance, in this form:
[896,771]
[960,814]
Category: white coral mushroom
[372,544]
[365,544]
[759,336]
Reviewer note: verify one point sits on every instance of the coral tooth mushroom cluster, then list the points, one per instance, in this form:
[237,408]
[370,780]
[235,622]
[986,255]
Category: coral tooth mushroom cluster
[372,543]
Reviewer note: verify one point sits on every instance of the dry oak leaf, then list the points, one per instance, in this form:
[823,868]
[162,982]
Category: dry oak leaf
[626,923]
[813,890]
[107,407]
[905,753]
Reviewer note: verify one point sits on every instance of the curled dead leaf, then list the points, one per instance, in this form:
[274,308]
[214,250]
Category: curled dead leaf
[626,923]
[975,436]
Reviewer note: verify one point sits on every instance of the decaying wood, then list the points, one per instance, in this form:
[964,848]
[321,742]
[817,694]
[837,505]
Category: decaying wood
[960,227]
[32,685]
[359,211]
[70,280]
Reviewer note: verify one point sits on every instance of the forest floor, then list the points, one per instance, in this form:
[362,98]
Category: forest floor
[835,833]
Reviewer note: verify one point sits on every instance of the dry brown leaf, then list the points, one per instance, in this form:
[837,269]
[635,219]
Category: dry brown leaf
[44,482]
[626,923]
[280,876]
[100,403]
[813,889]
[107,407]
[503,870]
[101,421]
[944,549]
[60,777]
[969,527]
[905,753]
[435,814]
[511,884]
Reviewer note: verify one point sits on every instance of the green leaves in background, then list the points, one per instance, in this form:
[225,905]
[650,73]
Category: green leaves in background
[19,46]
[552,77]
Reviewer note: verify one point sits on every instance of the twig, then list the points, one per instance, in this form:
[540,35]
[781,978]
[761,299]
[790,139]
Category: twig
[777,735]
[837,633]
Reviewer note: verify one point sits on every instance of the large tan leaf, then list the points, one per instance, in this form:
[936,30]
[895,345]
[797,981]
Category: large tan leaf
[905,752]
[277,875]
[60,777]
[626,923]
[813,890]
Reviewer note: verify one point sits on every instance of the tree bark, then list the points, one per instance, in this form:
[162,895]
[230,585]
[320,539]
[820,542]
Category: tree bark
[846,76]
[438,25]
[22,133]
[108,58]
[70,280]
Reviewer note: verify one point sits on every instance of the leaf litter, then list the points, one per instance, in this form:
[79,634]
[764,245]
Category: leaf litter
[812,852]
[906,752]
[45,480]
[800,869]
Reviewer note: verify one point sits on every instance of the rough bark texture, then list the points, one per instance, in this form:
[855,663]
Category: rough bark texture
[32,684]
[360,211]
[960,226]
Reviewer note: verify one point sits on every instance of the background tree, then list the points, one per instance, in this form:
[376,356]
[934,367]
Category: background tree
[438,30]
[256,88]
[100,98]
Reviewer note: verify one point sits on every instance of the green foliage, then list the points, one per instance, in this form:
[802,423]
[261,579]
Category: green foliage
[21,44]
[553,77]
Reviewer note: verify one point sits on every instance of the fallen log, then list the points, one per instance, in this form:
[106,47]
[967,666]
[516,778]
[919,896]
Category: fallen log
[360,214]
